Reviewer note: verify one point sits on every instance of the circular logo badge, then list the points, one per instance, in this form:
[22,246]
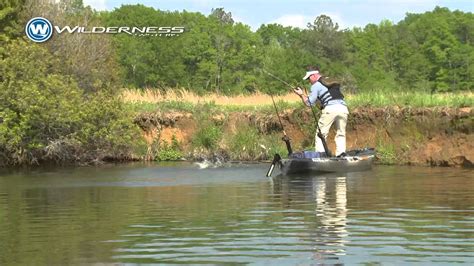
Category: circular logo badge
[39,29]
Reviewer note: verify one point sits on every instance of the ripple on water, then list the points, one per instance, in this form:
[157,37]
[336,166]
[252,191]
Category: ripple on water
[153,215]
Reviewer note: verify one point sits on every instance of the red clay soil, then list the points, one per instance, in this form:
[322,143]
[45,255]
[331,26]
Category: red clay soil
[413,136]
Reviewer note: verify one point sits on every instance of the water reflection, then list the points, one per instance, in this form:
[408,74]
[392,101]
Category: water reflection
[146,214]
[328,196]
[299,219]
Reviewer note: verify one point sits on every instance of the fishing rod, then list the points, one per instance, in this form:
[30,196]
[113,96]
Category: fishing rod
[318,130]
[285,138]
[277,78]
[319,134]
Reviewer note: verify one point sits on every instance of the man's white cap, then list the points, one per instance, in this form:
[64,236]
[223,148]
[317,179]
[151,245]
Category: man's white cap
[309,73]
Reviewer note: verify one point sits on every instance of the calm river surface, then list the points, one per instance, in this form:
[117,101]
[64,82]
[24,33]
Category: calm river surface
[178,213]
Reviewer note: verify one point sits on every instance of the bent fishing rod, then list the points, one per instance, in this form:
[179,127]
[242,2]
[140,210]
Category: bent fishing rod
[285,138]
[319,134]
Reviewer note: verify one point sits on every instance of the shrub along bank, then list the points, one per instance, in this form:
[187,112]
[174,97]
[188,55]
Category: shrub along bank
[48,117]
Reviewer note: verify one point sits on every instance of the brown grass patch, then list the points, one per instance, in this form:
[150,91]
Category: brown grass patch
[157,96]
[373,99]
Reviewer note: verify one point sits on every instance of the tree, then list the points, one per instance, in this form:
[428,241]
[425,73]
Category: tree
[88,57]
[221,40]
[10,20]
[222,16]
[324,39]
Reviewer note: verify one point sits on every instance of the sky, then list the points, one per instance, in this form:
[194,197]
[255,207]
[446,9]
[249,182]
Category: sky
[297,13]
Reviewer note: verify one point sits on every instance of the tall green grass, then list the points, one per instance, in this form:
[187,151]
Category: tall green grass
[410,99]
[248,144]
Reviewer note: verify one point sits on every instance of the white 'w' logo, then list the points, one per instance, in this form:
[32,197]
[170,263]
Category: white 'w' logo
[39,29]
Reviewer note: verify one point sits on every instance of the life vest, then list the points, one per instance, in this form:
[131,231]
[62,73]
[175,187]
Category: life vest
[333,91]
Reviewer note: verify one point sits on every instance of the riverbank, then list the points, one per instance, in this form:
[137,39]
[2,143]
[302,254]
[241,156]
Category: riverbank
[151,125]
[438,136]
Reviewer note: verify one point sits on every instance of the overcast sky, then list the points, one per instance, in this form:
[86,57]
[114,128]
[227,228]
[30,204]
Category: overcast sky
[297,13]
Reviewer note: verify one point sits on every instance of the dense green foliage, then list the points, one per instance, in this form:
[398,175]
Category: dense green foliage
[10,26]
[249,144]
[430,52]
[52,110]
[169,152]
[47,116]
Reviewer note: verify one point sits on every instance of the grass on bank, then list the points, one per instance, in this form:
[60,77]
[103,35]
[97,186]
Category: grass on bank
[182,100]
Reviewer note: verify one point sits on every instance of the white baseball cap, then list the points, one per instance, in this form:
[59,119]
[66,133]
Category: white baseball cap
[309,73]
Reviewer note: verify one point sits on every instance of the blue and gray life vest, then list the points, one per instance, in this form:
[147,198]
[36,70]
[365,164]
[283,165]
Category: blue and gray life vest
[333,91]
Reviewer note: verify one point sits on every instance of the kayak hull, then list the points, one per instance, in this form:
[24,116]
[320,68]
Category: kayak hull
[355,163]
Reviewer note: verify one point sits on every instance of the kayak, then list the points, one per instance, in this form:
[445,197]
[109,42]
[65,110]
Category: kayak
[313,162]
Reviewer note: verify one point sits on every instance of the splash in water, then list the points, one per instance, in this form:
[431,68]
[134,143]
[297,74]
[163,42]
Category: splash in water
[214,162]
[204,164]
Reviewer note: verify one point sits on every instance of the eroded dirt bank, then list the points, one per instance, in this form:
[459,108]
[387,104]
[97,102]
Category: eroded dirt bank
[414,136]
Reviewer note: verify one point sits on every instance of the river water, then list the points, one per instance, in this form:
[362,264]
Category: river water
[178,213]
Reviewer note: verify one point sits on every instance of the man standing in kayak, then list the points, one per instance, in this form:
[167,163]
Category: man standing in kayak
[333,109]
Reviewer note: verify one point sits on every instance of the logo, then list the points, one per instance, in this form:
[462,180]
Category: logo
[39,29]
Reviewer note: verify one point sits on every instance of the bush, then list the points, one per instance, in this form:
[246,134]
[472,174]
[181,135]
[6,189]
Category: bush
[275,144]
[48,117]
[245,144]
[106,129]
[169,152]
[386,152]
[208,137]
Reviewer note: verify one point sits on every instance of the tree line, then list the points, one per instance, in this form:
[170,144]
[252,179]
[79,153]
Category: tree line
[430,52]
